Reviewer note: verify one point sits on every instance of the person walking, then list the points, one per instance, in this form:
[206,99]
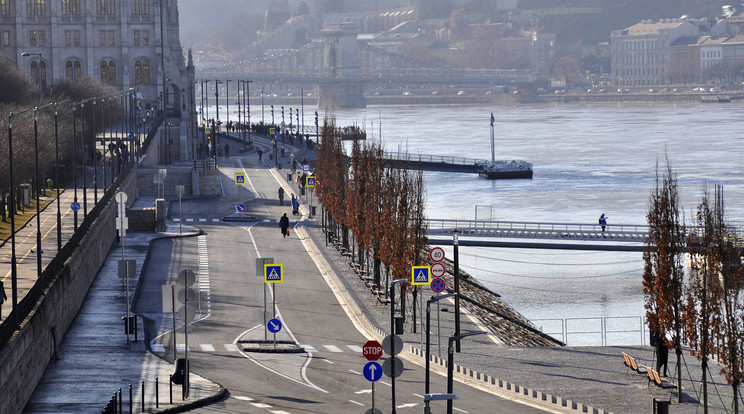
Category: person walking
[3,297]
[219,150]
[603,221]
[284,225]
[281,196]
[260,155]
[227,150]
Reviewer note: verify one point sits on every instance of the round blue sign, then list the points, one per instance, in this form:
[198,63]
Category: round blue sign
[437,285]
[274,325]
[75,206]
[241,207]
[372,371]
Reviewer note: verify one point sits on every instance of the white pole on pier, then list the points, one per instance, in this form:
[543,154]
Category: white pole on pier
[493,144]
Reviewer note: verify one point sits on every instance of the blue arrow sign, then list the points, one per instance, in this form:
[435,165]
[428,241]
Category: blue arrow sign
[372,371]
[75,206]
[240,207]
[274,325]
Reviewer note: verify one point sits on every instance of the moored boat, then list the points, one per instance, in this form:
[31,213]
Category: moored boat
[503,169]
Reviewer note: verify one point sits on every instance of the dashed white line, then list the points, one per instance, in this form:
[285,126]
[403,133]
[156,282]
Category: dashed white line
[309,348]
[240,397]
[457,409]
[355,348]
[363,392]
[232,347]
[332,348]
[355,372]
[357,403]
[260,405]
[207,347]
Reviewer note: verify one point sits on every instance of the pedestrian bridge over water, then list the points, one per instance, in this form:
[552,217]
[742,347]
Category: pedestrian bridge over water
[571,236]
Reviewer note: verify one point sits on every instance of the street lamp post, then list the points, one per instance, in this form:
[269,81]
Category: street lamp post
[428,341]
[74,166]
[248,101]
[227,95]
[11,186]
[37,189]
[392,333]
[457,285]
[38,72]
[451,361]
[56,172]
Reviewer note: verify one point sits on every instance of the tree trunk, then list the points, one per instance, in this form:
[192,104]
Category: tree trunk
[376,268]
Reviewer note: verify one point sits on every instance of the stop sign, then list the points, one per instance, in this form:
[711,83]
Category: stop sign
[372,350]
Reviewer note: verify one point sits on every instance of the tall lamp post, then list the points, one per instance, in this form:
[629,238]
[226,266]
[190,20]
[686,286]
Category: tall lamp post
[451,361]
[428,341]
[248,102]
[38,72]
[392,332]
[455,245]
[11,186]
[56,172]
[37,190]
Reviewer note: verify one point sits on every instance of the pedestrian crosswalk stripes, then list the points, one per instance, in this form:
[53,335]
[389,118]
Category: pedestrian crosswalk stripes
[332,348]
[207,347]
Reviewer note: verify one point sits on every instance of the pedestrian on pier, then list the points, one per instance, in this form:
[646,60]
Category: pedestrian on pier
[260,154]
[603,221]
[227,150]
[281,196]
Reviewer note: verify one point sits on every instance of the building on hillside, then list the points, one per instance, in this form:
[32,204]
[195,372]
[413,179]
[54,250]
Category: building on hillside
[127,44]
[640,53]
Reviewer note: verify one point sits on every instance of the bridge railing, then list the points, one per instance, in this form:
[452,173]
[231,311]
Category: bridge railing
[447,225]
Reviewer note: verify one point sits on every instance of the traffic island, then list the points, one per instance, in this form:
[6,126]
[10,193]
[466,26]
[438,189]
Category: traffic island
[270,347]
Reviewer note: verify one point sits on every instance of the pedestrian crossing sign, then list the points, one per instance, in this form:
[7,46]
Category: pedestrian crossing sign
[273,273]
[420,275]
[239,178]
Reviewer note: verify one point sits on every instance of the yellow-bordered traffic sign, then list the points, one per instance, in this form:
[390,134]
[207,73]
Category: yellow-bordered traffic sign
[420,275]
[239,178]
[310,181]
[273,273]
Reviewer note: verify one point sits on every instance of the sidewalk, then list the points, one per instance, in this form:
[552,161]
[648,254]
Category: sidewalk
[95,359]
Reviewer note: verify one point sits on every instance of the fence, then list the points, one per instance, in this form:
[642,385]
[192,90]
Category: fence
[596,331]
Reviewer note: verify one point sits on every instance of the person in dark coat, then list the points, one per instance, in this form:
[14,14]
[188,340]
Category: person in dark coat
[284,224]
[281,196]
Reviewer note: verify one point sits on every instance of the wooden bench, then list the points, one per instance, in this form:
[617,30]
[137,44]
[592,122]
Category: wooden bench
[631,363]
[654,377]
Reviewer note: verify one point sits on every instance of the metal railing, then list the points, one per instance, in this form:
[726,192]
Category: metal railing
[596,331]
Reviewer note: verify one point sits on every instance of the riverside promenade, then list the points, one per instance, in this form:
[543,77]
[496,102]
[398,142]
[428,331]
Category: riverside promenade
[95,359]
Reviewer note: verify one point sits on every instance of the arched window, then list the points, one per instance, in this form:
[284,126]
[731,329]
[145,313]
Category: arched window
[71,7]
[140,7]
[108,72]
[73,70]
[38,72]
[36,7]
[142,72]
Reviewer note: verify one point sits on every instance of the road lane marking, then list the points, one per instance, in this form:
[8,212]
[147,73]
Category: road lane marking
[355,348]
[363,392]
[357,403]
[157,348]
[240,397]
[232,347]
[457,409]
[309,348]
[260,405]
[207,347]
[332,348]
[355,372]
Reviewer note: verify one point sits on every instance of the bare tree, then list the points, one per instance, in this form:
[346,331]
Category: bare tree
[702,312]
[663,276]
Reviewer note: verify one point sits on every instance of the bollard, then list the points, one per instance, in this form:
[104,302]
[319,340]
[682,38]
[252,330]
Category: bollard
[130,399]
[157,399]
[143,396]
[170,383]
[121,402]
